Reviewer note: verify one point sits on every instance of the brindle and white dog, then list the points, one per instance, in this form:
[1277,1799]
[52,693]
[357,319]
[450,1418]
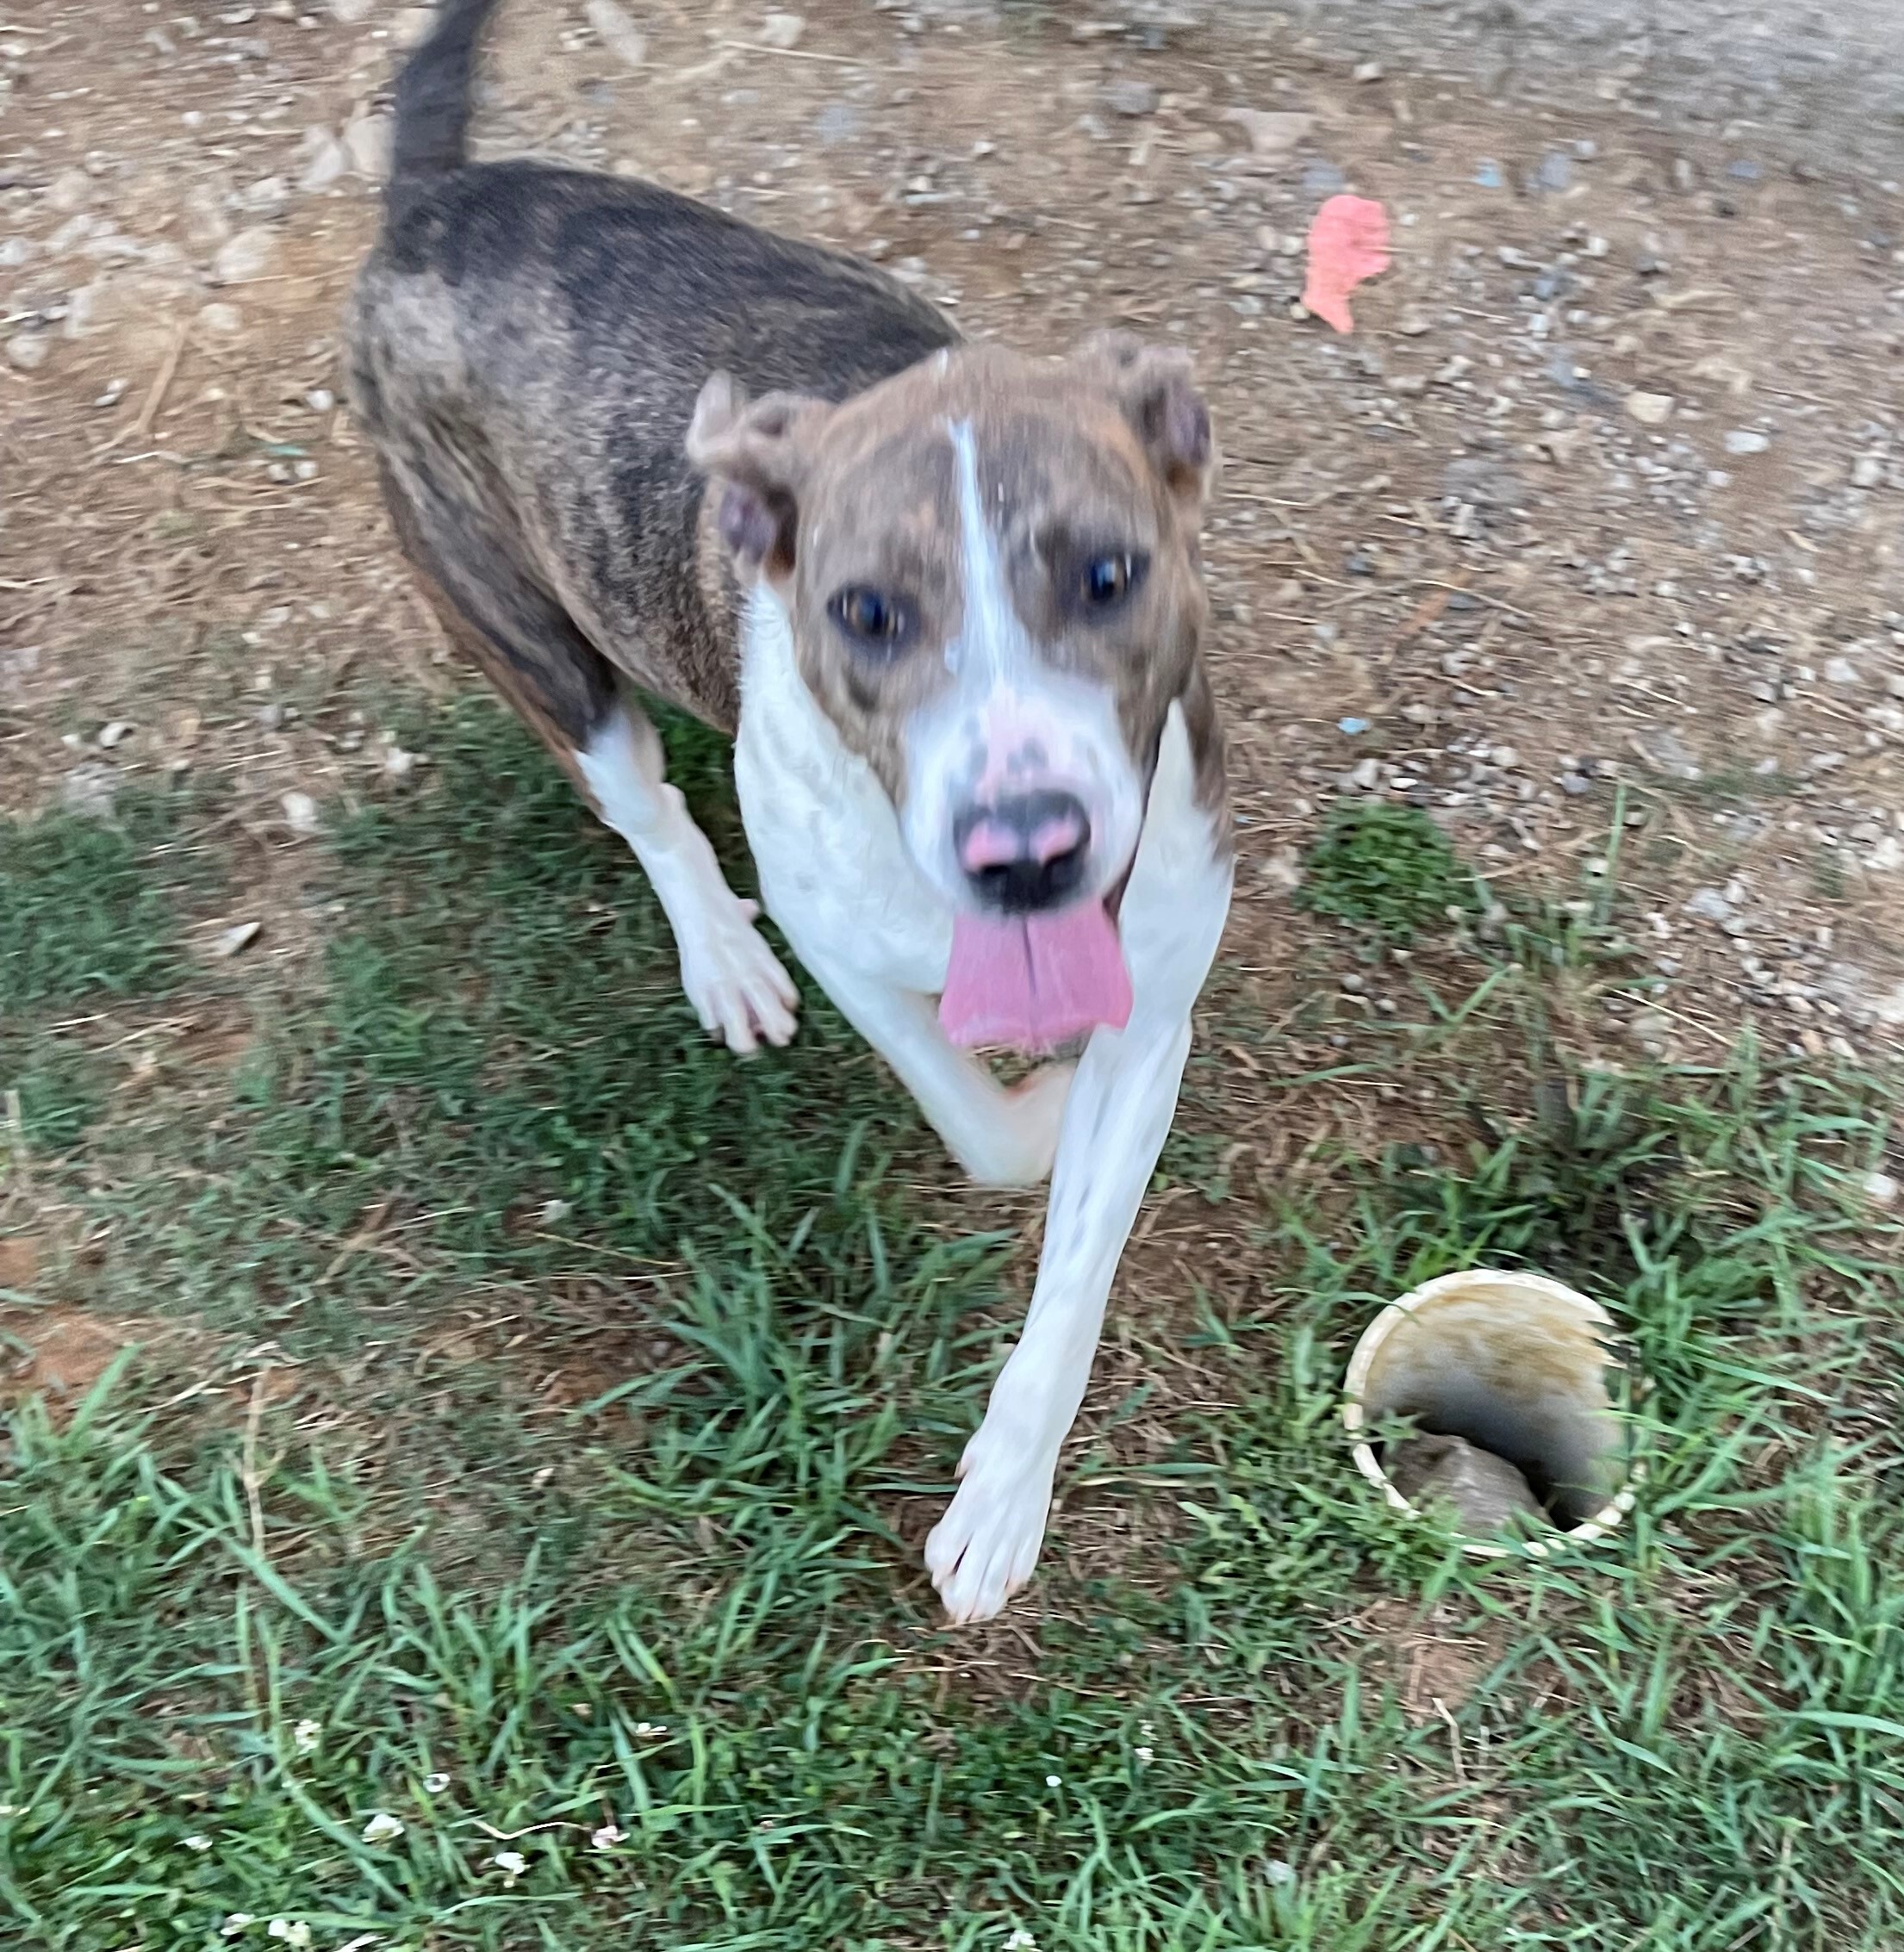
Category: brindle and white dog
[948,599]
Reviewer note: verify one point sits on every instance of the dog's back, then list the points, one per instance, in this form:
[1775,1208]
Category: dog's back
[527,345]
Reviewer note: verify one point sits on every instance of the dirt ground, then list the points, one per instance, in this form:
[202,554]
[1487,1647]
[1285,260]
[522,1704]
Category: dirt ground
[1595,518]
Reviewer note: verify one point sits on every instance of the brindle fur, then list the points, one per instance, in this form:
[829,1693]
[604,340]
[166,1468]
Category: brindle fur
[527,347]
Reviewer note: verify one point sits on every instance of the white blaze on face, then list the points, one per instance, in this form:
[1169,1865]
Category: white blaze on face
[1010,724]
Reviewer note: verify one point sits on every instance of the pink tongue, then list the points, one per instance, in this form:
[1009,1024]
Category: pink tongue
[1033,982]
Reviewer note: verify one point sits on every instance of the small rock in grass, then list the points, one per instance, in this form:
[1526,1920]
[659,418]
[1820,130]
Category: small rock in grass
[1880,1188]
[1867,471]
[1650,409]
[1709,905]
[1746,440]
[90,790]
[28,351]
[300,813]
[236,939]
[782,30]
[1486,1491]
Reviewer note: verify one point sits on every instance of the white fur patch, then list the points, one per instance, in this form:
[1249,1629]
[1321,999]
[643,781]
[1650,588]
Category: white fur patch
[1115,1120]
[736,982]
[1009,721]
[834,873]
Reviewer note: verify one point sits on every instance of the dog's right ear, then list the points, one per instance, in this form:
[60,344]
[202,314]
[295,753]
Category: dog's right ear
[757,454]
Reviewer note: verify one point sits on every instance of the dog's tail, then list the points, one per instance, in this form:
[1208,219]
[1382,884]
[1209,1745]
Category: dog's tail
[433,94]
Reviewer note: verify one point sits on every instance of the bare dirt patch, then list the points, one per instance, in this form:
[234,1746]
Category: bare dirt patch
[1605,496]
[58,1352]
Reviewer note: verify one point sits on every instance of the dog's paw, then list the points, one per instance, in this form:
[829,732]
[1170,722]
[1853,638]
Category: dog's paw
[1018,1148]
[739,990]
[985,1547]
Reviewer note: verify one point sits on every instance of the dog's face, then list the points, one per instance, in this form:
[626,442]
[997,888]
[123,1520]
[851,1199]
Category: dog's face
[992,571]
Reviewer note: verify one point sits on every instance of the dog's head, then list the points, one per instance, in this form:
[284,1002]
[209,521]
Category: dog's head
[990,567]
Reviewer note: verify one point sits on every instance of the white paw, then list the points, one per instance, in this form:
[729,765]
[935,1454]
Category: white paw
[1018,1148]
[736,982]
[983,1550]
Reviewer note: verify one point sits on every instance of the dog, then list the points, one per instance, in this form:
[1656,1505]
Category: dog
[947,598]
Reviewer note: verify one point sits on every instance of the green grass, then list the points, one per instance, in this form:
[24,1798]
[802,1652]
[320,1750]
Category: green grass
[664,1633]
[1386,868]
[87,906]
[92,914]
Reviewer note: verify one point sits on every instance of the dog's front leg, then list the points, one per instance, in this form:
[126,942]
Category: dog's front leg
[1118,1114]
[1121,1104]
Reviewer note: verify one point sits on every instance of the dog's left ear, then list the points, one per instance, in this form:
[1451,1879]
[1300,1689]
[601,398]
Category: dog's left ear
[1155,387]
[758,455]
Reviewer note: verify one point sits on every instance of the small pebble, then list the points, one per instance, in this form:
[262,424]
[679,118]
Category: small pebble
[617,31]
[248,255]
[782,30]
[90,790]
[240,937]
[1129,96]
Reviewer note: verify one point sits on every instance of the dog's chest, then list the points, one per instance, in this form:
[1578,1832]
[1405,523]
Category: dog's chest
[834,872]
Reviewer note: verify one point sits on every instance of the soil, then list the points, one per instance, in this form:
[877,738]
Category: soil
[1596,517]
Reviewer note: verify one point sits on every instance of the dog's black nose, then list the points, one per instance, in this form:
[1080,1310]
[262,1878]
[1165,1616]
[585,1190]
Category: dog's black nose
[1024,853]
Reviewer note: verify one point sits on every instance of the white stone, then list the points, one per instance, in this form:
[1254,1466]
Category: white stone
[367,143]
[70,190]
[329,161]
[615,28]
[249,255]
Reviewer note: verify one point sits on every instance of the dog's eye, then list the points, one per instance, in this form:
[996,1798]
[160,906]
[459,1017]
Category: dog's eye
[872,620]
[1108,580]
